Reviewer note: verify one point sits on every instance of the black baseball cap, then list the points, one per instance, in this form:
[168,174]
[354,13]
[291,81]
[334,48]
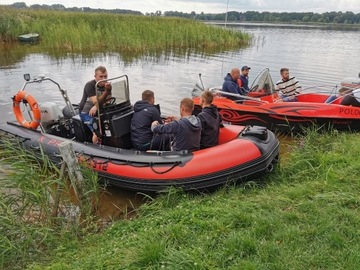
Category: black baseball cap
[245,67]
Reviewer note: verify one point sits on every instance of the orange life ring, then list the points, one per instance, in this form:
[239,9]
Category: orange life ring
[19,97]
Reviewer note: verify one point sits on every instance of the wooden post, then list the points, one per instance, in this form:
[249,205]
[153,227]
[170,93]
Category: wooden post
[70,162]
[73,167]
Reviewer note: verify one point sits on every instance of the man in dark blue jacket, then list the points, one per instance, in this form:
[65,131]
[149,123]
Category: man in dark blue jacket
[230,84]
[210,121]
[145,112]
[186,130]
[244,79]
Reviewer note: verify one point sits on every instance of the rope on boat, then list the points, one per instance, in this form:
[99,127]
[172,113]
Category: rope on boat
[168,170]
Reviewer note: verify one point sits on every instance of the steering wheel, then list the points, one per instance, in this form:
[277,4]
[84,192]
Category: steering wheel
[110,101]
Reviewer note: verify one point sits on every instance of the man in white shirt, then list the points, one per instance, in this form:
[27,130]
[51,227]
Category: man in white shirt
[288,86]
[352,99]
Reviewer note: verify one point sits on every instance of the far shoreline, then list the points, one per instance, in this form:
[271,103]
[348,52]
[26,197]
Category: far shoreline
[289,24]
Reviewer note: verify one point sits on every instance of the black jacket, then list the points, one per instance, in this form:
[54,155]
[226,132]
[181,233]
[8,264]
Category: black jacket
[144,115]
[210,123]
[186,132]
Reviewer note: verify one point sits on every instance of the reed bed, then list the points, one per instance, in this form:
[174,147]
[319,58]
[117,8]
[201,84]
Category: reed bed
[81,32]
[32,222]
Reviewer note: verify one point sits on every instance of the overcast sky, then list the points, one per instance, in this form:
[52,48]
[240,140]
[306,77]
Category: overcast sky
[209,6]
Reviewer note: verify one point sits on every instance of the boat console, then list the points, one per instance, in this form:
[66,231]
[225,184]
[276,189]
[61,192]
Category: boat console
[112,122]
[115,127]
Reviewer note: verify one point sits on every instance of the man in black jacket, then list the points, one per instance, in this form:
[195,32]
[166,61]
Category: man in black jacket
[210,121]
[185,130]
[145,112]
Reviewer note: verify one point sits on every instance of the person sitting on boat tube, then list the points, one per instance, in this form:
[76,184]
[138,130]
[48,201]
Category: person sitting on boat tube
[288,87]
[88,105]
[186,130]
[230,84]
[342,92]
[210,121]
[352,99]
[145,112]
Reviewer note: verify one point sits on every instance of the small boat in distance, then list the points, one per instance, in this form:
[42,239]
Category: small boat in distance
[30,38]
[261,106]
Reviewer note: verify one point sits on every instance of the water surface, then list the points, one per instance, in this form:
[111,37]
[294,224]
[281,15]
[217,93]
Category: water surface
[315,56]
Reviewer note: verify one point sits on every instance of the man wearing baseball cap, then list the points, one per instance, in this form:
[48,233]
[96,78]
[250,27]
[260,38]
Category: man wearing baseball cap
[244,79]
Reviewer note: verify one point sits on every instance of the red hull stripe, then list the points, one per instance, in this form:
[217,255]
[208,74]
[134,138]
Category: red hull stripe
[212,160]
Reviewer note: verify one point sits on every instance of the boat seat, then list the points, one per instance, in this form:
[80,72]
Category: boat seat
[82,132]
[67,113]
[120,125]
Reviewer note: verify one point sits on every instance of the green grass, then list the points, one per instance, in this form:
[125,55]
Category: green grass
[99,32]
[303,216]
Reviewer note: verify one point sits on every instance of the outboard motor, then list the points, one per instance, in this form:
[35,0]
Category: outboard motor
[54,122]
[50,114]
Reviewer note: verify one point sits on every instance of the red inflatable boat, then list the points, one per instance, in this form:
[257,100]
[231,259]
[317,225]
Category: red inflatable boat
[243,151]
[260,107]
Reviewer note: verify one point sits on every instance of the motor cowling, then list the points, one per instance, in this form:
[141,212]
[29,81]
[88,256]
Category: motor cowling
[50,114]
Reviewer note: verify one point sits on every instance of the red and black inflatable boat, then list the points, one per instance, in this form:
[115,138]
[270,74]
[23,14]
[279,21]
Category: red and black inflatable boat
[243,151]
[260,107]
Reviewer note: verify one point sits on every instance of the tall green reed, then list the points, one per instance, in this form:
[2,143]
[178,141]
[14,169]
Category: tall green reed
[81,32]
[27,200]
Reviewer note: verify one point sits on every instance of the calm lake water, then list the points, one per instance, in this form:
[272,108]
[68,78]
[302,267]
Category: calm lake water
[315,56]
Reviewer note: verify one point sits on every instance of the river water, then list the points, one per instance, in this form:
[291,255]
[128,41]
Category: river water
[316,56]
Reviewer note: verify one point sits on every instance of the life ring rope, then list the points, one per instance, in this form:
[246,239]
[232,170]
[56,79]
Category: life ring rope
[23,96]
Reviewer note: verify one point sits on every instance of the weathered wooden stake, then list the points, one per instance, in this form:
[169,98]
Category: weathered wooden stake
[73,167]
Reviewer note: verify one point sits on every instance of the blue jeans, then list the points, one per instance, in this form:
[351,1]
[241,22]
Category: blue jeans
[331,99]
[88,120]
[289,99]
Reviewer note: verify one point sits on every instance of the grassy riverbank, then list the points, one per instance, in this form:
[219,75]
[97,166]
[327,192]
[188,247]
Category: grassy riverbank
[305,215]
[99,32]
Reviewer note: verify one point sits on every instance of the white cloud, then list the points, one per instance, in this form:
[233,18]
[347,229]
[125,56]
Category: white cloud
[209,6]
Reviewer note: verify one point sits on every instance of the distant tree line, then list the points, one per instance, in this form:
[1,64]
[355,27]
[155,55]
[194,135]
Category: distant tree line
[22,5]
[255,16]
[231,16]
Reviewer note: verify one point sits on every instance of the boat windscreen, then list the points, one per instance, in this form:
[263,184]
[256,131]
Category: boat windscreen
[119,89]
[263,83]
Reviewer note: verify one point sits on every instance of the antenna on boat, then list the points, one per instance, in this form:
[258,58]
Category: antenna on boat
[226,14]
[226,17]
[201,81]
